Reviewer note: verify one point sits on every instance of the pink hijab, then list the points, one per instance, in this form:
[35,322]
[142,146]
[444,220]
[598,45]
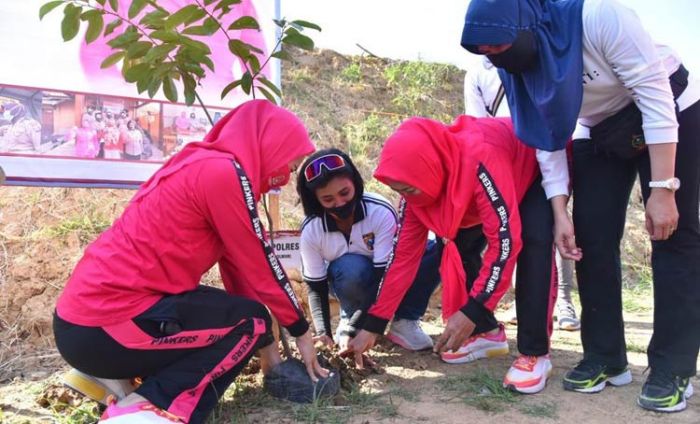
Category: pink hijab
[437,159]
[261,136]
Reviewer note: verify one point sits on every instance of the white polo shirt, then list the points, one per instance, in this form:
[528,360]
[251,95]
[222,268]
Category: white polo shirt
[371,236]
[483,92]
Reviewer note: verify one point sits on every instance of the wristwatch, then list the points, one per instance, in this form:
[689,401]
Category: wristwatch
[672,184]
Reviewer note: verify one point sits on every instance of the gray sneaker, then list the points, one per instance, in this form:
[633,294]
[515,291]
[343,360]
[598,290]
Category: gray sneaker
[566,317]
[409,335]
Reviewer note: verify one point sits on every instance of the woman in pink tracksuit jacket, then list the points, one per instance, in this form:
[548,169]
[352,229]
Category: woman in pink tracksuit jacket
[134,305]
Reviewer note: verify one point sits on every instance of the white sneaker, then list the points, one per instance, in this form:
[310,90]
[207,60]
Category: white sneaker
[409,335]
[98,389]
[528,374]
[342,338]
[484,345]
[566,317]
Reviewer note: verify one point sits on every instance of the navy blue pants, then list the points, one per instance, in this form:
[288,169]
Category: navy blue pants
[351,281]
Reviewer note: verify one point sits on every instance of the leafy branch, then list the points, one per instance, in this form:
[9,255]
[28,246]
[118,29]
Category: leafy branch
[156,47]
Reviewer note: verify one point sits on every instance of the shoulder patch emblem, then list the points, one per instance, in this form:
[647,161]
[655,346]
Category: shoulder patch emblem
[369,240]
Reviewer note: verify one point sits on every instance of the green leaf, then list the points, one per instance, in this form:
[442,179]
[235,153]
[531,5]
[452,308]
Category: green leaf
[307,24]
[154,86]
[138,49]
[101,2]
[239,48]
[143,83]
[254,63]
[164,69]
[197,15]
[71,22]
[154,20]
[208,2]
[298,40]
[246,82]
[181,16]
[193,68]
[189,96]
[282,55]
[230,87]
[244,22]
[225,4]
[48,7]
[211,24]
[169,89]
[85,16]
[136,72]
[112,26]
[198,30]
[271,97]
[155,5]
[270,85]
[114,4]
[165,35]
[159,52]
[190,87]
[112,59]
[123,40]
[209,64]
[280,22]
[197,45]
[136,8]
[95,25]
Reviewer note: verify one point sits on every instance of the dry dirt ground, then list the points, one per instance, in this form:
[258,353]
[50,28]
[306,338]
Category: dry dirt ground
[352,103]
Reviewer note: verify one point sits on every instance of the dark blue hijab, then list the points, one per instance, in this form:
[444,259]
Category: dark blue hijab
[544,101]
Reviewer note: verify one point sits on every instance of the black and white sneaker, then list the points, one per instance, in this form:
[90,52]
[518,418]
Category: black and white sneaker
[591,377]
[665,392]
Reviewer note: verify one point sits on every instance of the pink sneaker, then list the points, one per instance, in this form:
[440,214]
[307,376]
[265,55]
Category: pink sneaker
[528,374]
[138,413]
[483,345]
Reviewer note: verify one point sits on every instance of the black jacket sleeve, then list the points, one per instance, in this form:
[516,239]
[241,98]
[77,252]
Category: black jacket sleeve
[320,308]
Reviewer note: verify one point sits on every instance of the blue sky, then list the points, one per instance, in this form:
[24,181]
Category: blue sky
[430,30]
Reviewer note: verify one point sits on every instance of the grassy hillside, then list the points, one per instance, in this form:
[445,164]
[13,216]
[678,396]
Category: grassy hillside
[348,102]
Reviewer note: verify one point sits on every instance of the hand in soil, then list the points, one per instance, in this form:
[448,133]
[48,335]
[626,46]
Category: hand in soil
[358,345]
[307,351]
[323,340]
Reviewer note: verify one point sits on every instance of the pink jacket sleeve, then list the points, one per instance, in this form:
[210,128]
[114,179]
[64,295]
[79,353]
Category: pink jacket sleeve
[245,267]
[497,205]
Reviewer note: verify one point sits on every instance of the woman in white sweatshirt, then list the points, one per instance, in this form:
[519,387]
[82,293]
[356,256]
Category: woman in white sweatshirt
[638,113]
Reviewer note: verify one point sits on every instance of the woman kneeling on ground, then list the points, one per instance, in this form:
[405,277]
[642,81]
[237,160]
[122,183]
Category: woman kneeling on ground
[346,240]
[134,305]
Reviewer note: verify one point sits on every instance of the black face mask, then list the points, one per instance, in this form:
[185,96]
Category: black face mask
[520,57]
[343,212]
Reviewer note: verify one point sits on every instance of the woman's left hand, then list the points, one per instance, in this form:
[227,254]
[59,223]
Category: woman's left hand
[565,239]
[458,328]
[305,344]
[661,214]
